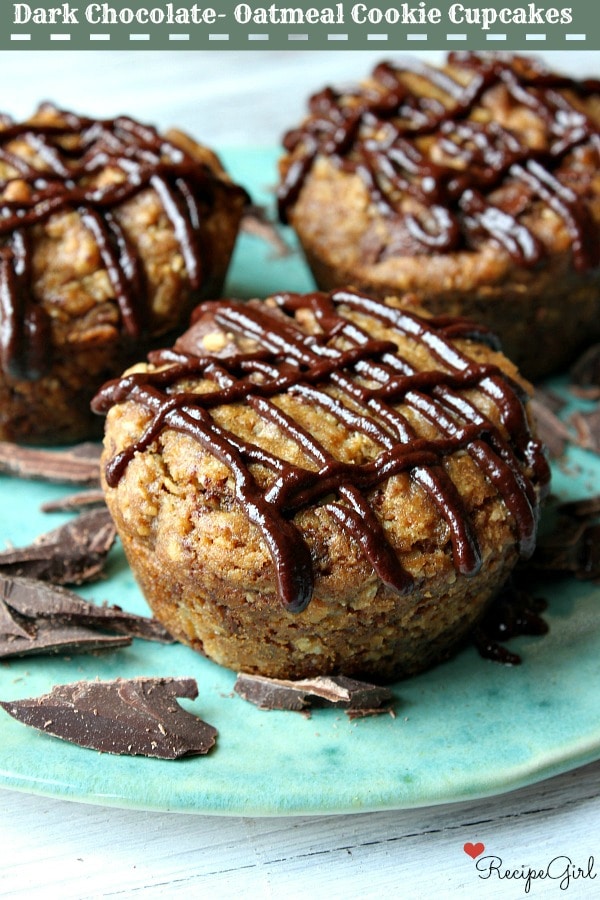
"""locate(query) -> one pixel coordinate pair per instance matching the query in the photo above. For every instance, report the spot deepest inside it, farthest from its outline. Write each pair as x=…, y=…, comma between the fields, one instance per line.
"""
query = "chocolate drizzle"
x=71, y=154
x=447, y=178
x=361, y=382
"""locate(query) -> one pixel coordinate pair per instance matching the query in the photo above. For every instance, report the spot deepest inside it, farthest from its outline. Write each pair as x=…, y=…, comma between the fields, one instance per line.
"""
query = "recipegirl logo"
x=561, y=869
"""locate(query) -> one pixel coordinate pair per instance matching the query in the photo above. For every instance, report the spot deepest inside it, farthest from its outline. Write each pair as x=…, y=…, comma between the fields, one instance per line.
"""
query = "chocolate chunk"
x=572, y=545
x=585, y=393
x=71, y=554
x=513, y=612
x=136, y=717
x=78, y=465
x=581, y=509
x=13, y=625
x=33, y=599
x=257, y=223
x=52, y=637
x=75, y=502
x=587, y=427
x=550, y=429
x=339, y=691
x=586, y=371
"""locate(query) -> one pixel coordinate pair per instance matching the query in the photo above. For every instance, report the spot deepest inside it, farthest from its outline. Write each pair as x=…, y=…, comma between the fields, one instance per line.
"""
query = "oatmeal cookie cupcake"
x=110, y=233
x=475, y=185
x=322, y=483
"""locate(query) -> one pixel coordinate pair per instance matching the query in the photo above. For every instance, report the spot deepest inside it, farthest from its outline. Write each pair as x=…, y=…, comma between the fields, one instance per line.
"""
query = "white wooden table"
x=53, y=848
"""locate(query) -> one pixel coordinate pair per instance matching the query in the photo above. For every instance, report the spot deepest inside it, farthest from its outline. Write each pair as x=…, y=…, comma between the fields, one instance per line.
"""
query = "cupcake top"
x=305, y=422
x=99, y=226
x=491, y=147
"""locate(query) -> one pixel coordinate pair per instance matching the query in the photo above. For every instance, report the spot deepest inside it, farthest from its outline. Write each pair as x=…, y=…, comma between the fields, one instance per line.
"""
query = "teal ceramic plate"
x=467, y=729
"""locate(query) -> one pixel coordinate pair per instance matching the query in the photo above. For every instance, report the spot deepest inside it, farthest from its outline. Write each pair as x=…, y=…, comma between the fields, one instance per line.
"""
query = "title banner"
x=345, y=25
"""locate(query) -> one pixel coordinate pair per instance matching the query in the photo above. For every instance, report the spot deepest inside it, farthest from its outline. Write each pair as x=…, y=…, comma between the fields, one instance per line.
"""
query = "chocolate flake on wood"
x=71, y=554
x=339, y=691
x=77, y=465
x=135, y=717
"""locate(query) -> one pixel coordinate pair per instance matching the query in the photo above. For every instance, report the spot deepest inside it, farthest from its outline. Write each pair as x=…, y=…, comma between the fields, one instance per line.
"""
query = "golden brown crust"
x=207, y=572
x=350, y=239
x=72, y=286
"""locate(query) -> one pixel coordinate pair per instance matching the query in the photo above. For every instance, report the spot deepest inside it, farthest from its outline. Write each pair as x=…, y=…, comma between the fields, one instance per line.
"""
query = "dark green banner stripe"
x=346, y=25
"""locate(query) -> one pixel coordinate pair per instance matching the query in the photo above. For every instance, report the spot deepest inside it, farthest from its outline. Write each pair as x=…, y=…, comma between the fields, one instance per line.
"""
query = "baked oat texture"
x=107, y=273
x=196, y=543
x=367, y=186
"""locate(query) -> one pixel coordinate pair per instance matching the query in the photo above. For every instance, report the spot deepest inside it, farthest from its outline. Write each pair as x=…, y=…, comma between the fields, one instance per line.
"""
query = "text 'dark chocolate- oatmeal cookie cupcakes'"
x=475, y=185
x=110, y=234
x=322, y=483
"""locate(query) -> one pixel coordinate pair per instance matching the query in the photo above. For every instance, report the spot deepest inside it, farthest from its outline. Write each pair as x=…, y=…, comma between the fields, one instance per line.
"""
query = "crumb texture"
x=110, y=233
x=475, y=185
x=341, y=488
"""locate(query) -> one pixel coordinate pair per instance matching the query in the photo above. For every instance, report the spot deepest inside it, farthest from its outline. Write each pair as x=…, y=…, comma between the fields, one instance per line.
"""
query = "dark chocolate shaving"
x=551, y=430
x=586, y=371
x=75, y=502
x=136, y=717
x=36, y=600
x=71, y=554
x=257, y=223
x=587, y=428
x=52, y=637
x=339, y=691
x=13, y=625
x=78, y=465
x=581, y=509
x=513, y=613
x=572, y=548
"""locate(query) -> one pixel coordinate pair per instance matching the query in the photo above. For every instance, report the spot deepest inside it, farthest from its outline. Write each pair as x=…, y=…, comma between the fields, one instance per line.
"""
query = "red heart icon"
x=474, y=850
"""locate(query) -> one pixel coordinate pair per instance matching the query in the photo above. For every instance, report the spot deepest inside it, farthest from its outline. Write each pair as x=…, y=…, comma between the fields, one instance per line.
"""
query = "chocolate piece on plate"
x=586, y=371
x=573, y=544
x=587, y=426
x=75, y=502
x=77, y=465
x=587, y=507
x=35, y=600
x=54, y=637
x=71, y=554
x=13, y=625
x=135, y=717
x=551, y=430
x=339, y=691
